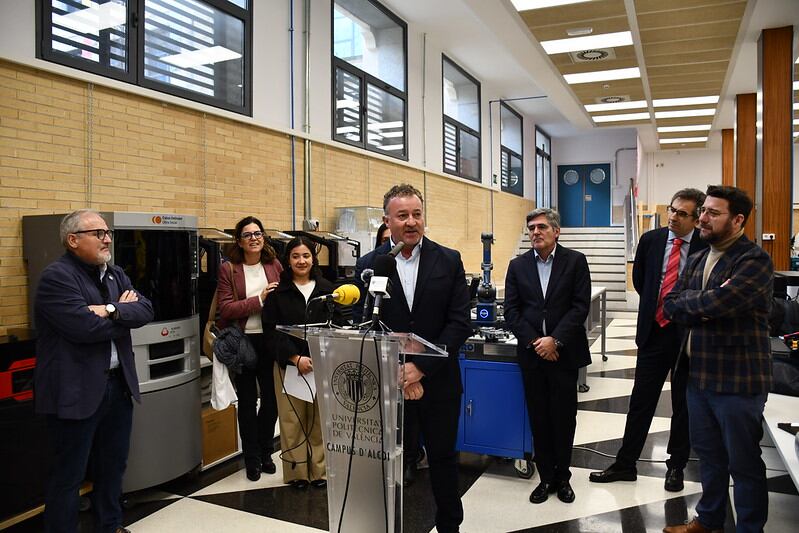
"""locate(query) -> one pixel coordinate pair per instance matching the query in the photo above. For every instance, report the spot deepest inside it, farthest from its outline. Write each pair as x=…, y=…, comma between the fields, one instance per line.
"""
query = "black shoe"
x=565, y=492
x=268, y=465
x=299, y=484
x=541, y=492
x=674, y=480
x=408, y=474
x=253, y=473
x=319, y=483
x=614, y=473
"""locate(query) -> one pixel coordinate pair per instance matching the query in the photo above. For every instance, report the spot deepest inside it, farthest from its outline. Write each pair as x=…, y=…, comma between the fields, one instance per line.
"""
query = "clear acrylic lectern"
x=353, y=369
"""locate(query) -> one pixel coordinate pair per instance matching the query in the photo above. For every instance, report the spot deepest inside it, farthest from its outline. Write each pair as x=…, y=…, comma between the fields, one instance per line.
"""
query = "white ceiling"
x=490, y=40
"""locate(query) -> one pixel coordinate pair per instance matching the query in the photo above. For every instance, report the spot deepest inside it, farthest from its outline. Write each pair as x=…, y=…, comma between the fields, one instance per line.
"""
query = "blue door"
x=584, y=195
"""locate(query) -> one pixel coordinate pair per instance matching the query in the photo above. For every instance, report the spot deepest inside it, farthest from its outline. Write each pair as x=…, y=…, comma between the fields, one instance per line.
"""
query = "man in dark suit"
x=429, y=298
x=658, y=342
x=547, y=295
x=723, y=299
x=85, y=372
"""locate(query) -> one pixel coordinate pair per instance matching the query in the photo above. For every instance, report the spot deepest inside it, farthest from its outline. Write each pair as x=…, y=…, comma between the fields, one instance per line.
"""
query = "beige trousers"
x=303, y=458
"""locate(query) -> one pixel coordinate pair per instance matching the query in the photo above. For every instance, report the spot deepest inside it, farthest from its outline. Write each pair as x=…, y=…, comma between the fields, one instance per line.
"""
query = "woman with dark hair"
x=245, y=284
x=383, y=234
x=302, y=451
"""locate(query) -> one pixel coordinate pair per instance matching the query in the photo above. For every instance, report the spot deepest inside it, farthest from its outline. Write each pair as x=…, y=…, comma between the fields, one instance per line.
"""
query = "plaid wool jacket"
x=730, y=349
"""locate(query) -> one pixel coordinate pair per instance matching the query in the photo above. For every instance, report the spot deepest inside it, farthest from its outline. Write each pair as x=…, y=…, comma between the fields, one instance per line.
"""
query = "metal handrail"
x=630, y=222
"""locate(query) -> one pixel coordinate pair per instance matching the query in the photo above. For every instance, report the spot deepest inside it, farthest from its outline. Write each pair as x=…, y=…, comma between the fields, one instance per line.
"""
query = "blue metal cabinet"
x=493, y=411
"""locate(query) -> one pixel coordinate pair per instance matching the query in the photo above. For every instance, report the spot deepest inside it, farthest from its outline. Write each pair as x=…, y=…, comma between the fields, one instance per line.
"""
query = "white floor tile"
x=624, y=322
x=595, y=426
x=201, y=517
x=620, y=331
x=497, y=503
x=613, y=345
x=783, y=509
x=238, y=481
x=609, y=388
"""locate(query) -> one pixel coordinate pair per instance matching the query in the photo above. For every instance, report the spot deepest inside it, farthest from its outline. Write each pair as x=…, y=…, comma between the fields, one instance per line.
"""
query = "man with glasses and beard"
x=85, y=372
x=659, y=259
x=723, y=300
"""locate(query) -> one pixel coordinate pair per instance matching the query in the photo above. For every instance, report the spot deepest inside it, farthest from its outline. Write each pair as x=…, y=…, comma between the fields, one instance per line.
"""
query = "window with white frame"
x=369, y=77
x=195, y=49
x=461, y=103
x=511, y=149
x=543, y=169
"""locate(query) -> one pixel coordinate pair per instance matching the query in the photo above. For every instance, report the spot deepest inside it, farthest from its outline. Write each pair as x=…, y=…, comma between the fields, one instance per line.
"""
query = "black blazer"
x=285, y=307
x=565, y=307
x=73, y=345
x=647, y=270
x=440, y=313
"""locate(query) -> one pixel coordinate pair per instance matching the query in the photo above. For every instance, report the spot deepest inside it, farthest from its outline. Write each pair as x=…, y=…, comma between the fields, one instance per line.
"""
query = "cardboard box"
x=220, y=434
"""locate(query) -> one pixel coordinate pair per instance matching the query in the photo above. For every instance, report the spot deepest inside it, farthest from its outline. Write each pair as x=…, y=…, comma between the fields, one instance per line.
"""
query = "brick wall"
x=66, y=144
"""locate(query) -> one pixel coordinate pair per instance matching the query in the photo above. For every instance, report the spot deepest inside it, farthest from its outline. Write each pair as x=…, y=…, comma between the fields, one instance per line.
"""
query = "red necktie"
x=669, y=280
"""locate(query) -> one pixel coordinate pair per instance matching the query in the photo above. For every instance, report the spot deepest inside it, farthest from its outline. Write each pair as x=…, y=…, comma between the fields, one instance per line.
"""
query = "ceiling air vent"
x=613, y=99
x=590, y=56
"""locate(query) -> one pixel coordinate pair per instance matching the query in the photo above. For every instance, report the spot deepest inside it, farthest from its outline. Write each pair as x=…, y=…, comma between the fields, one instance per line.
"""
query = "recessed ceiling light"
x=577, y=44
x=621, y=118
x=694, y=127
x=578, y=32
x=203, y=56
x=591, y=108
x=524, y=5
x=693, y=100
x=685, y=113
x=683, y=140
x=602, y=75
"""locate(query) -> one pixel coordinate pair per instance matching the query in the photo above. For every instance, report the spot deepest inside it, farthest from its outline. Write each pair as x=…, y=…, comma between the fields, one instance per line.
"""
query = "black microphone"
x=397, y=249
x=379, y=285
x=366, y=277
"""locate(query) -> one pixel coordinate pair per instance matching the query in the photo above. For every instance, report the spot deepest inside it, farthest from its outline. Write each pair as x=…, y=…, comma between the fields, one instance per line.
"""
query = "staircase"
x=605, y=250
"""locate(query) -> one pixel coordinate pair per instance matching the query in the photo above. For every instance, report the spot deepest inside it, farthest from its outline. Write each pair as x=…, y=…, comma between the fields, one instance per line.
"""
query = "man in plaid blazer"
x=724, y=298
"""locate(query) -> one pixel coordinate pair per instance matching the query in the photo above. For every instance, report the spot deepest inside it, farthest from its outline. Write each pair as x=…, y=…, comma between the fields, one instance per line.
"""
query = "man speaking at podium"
x=430, y=299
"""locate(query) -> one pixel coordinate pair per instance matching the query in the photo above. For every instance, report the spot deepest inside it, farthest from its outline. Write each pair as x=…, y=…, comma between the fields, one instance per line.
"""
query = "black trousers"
x=551, y=394
x=438, y=421
x=656, y=358
x=257, y=427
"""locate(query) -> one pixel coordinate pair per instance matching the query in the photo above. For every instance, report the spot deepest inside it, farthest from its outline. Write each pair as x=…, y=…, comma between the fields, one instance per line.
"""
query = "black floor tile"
x=621, y=404
x=783, y=485
x=626, y=373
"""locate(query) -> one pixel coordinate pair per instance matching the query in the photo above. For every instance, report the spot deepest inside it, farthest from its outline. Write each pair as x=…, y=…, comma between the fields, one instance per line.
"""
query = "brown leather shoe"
x=691, y=527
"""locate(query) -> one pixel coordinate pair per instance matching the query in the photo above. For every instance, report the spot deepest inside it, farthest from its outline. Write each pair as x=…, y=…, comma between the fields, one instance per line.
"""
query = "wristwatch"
x=558, y=344
x=111, y=309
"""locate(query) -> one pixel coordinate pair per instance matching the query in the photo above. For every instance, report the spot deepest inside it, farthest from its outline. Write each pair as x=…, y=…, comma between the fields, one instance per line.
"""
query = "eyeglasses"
x=679, y=212
x=99, y=233
x=252, y=235
x=712, y=213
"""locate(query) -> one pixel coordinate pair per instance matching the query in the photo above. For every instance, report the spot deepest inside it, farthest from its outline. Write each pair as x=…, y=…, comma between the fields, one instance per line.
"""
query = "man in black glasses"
x=659, y=260
x=85, y=373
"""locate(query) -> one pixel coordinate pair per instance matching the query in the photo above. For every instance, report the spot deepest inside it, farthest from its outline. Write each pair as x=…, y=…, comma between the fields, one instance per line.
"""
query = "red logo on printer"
x=164, y=332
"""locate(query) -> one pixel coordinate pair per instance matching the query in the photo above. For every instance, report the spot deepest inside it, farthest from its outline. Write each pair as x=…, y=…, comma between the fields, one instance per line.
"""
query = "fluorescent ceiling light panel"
x=691, y=100
x=796, y=86
x=94, y=19
x=592, y=108
x=590, y=42
x=796, y=122
x=203, y=56
x=695, y=127
x=385, y=125
x=524, y=5
x=679, y=140
x=603, y=75
x=685, y=113
x=796, y=106
x=622, y=117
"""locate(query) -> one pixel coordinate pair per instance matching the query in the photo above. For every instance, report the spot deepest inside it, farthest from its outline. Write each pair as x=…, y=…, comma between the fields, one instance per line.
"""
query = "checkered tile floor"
x=494, y=497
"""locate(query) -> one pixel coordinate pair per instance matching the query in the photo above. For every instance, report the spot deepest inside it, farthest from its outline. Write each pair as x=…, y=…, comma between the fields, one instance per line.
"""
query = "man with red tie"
x=659, y=260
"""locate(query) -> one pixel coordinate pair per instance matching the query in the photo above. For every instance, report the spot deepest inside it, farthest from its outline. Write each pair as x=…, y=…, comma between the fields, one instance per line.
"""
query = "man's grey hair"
x=71, y=223
x=553, y=217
